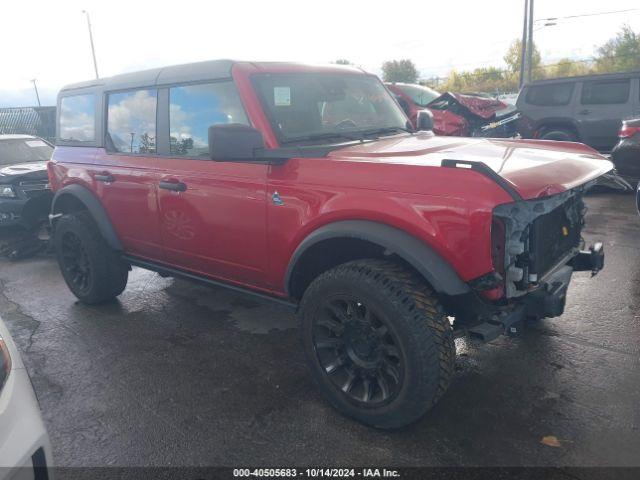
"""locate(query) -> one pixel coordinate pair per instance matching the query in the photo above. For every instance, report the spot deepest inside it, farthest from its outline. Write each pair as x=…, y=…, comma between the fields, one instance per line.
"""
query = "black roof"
x=209, y=70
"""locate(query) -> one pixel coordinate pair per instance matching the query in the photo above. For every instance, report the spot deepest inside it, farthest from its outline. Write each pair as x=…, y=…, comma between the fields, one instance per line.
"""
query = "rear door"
x=126, y=173
x=212, y=214
x=600, y=110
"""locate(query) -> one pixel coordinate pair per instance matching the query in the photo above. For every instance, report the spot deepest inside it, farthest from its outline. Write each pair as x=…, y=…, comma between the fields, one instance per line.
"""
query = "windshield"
x=24, y=150
x=312, y=107
x=421, y=96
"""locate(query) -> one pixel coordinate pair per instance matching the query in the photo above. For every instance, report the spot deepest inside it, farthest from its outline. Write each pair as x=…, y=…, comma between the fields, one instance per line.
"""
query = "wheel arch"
x=77, y=197
x=550, y=124
x=342, y=241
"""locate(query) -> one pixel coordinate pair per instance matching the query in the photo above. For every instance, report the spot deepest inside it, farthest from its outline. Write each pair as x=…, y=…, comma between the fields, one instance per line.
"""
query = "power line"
x=597, y=14
x=505, y=41
x=498, y=71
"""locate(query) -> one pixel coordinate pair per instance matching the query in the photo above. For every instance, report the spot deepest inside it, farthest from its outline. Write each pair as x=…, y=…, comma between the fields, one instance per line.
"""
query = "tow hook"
x=505, y=322
x=591, y=260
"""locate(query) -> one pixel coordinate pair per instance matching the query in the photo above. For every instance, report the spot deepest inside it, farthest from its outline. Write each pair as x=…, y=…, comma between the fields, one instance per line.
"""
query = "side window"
x=551, y=95
x=194, y=108
x=131, y=121
x=78, y=118
x=605, y=92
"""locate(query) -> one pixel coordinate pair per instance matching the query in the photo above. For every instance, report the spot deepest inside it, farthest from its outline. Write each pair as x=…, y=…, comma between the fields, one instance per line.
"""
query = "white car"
x=25, y=452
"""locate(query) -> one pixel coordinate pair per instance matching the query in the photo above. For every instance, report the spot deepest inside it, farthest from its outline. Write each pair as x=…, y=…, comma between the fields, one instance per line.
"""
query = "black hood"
x=23, y=171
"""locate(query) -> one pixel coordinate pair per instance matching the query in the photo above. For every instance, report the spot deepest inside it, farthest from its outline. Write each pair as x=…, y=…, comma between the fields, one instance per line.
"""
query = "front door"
x=126, y=175
x=212, y=214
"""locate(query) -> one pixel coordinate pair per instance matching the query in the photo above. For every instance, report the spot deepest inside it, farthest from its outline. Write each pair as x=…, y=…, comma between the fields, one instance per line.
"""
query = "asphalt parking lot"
x=181, y=374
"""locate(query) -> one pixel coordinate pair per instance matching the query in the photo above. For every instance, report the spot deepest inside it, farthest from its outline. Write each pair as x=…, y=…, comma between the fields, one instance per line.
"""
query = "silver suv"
x=587, y=109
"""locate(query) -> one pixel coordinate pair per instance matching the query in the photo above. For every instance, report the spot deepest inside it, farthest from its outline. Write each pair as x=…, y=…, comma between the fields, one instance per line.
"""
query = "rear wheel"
x=377, y=341
x=559, y=135
x=94, y=272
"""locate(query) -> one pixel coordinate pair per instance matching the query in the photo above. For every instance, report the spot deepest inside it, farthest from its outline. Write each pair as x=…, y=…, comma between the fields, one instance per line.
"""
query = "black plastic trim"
x=175, y=272
x=442, y=277
x=96, y=209
x=39, y=461
x=488, y=172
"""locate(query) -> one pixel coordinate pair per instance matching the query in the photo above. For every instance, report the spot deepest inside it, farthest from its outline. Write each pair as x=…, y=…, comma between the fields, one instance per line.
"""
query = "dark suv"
x=24, y=186
x=302, y=184
x=587, y=109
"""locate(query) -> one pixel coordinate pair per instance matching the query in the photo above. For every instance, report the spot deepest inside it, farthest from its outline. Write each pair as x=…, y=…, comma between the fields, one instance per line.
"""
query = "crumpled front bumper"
x=546, y=301
x=11, y=211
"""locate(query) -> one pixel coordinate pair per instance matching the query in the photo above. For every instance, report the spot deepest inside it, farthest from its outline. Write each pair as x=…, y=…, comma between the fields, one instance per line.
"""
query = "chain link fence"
x=38, y=121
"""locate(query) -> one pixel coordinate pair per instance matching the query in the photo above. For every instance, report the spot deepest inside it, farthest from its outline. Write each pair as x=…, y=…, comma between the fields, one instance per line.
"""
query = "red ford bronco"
x=307, y=186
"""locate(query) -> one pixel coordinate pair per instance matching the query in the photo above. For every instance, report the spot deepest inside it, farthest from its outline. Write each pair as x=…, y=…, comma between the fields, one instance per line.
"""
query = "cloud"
x=132, y=112
x=77, y=118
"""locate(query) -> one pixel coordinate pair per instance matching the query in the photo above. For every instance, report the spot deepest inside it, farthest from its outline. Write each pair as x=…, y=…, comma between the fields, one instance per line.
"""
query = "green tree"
x=147, y=144
x=567, y=68
x=513, y=57
x=621, y=53
x=399, y=71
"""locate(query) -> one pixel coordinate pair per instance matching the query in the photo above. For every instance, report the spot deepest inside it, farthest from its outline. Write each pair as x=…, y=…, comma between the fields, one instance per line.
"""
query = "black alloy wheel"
x=358, y=351
x=75, y=262
x=94, y=272
x=378, y=343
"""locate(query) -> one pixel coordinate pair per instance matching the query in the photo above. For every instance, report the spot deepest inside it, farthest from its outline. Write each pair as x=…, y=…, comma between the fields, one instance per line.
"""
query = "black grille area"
x=553, y=235
x=33, y=189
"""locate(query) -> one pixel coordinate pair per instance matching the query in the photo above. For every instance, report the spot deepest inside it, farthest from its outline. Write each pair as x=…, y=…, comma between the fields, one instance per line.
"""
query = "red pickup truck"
x=307, y=186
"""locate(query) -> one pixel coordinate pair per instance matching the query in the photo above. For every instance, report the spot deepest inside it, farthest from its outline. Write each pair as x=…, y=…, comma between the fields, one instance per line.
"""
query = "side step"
x=498, y=325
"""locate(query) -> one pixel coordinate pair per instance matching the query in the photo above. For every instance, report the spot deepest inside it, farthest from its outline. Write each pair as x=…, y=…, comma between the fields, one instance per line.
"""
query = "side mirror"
x=425, y=120
x=234, y=141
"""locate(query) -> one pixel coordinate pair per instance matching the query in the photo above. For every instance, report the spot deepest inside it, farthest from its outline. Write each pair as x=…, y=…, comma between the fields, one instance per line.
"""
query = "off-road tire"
x=559, y=135
x=108, y=272
x=423, y=332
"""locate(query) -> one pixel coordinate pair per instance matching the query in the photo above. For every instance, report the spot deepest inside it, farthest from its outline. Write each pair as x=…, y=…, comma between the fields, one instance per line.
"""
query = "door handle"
x=173, y=186
x=104, y=177
x=584, y=112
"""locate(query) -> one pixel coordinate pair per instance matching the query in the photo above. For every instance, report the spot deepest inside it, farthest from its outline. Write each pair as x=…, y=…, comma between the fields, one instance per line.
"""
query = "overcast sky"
x=48, y=40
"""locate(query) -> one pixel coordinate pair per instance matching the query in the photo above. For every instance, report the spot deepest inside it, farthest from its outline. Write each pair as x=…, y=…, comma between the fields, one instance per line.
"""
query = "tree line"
x=620, y=53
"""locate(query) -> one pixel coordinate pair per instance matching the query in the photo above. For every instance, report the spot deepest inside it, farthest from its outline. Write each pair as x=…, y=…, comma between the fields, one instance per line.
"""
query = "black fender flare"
x=437, y=271
x=91, y=202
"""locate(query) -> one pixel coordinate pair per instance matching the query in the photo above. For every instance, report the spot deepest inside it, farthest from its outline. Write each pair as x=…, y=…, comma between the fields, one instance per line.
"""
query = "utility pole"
x=523, y=45
x=35, y=87
x=93, y=50
x=531, y=46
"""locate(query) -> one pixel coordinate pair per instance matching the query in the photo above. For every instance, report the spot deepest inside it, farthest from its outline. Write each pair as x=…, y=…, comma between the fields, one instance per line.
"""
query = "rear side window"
x=551, y=95
x=194, y=108
x=605, y=92
x=131, y=121
x=77, y=118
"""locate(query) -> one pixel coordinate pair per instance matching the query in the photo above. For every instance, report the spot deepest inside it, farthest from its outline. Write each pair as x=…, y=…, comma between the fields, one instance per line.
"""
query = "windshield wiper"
x=358, y=135
x=385, y=130
x=324, y=136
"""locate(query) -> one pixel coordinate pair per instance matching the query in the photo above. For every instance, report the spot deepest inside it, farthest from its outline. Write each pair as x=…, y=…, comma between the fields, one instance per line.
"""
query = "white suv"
x=25, y=452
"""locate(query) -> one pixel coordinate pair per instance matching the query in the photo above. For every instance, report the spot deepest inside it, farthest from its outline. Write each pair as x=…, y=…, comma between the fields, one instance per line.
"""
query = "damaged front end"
x=473, y=116
x=24, y=218
x=536, y=247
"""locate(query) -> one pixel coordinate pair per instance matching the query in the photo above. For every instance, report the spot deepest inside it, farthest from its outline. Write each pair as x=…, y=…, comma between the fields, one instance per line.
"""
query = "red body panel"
x=446, y=122
x=225, y=225
x=481, y=106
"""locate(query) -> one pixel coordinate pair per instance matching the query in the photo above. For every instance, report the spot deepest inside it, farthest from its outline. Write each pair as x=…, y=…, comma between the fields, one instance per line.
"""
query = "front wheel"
x=377, y=341
x=93, y=271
